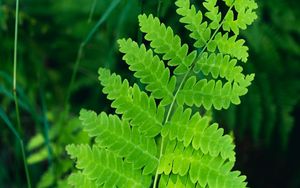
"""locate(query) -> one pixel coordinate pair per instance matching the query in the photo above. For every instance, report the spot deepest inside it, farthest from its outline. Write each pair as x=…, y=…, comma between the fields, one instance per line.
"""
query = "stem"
x=181, y=84
x=17, y=112
x=92, y=11
x=166, y=120
x=15, y=67
x=15, y=94
x=25, y=164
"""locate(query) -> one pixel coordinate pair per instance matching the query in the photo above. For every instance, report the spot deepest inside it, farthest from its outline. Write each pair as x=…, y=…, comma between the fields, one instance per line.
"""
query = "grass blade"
x=4, y=117
x=92, y=11
x=15, y=66
x=108, y=11
x=9, y=124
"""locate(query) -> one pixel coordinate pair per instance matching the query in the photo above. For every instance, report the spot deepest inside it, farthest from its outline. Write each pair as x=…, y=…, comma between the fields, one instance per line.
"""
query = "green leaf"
x=142, y=113
x=193, y=20
x=177, y=148
x=222, y=66
x=230, y=45
x=210, y=93
x=150, y=69
x=78, y=179
x=163, y=40
x=118, y=136
x=104, y=168
x=201, y=168
x=173, y=180
x=196, y=131
x=245, y=15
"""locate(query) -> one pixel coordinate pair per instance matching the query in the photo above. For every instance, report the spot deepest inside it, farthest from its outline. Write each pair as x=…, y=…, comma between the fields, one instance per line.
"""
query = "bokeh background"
x=266, y=126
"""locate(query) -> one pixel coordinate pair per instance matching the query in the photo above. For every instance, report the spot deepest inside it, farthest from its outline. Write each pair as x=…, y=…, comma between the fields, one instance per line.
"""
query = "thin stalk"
x=17, y=112
x=166, y=120
x=4, y=117
x=181, y=84
x=15, y=67
x=80, y=51
x=92, y=11
x=25, y=164
x=16, y=97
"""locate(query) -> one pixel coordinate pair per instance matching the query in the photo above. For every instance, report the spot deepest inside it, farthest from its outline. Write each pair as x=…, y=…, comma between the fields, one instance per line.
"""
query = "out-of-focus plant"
x=46, y=60
x=274, y=41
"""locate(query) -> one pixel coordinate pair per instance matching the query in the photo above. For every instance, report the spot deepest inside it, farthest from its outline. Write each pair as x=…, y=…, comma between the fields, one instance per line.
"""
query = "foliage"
x=58, y=165
x=159, y=135
x=275, y=93
x=41, y=86
x=50, y=33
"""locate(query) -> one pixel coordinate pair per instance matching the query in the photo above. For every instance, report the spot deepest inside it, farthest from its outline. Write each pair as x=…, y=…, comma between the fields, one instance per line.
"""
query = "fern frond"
x=212, y=13
x=103, y=167
x=197, y=132
x=204, y=169
x=142, y=112
x=245, y=15
x=172, y=180
x=230, y=45
x=119, y=137
x=163, y=40
x=202, y=31
x=78, y=180
x=192, y=151
x=219, y=65
x=150, y=69
x=211, y=93
x=193, y=20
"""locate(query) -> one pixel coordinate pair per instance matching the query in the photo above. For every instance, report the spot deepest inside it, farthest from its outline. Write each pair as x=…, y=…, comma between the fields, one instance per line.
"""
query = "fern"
x=104, y=167
x=159, y=139
x=197, y=131
x=142, y=111
x=274, y=97
x=161, y=86
x=201, y=168
x=128, y=142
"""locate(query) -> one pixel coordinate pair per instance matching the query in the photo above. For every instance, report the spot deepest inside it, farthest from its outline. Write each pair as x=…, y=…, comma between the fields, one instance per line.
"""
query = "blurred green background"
x=266, y=126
